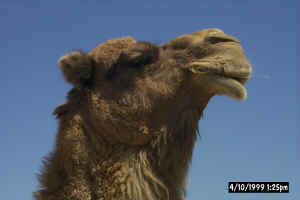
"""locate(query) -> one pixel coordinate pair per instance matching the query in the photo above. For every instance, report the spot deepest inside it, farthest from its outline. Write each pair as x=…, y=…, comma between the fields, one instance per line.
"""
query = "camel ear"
x=76, y=68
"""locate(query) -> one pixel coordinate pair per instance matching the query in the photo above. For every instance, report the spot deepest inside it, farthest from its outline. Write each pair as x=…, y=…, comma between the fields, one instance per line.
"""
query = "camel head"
x=129, y=89
x=128, y=128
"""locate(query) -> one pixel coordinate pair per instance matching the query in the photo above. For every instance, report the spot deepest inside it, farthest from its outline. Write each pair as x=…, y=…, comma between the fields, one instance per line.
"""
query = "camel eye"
x=137, y=58
x=143, y=53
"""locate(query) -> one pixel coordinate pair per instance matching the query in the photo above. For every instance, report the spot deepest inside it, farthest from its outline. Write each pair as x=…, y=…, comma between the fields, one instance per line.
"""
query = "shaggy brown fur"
x=129, y=125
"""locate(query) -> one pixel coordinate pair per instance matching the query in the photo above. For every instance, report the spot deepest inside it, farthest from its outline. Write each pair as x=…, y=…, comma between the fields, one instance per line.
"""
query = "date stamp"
x=258, y=187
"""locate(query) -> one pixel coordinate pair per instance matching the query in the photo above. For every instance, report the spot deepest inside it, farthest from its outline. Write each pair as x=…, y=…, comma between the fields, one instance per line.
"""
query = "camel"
x=130, y=122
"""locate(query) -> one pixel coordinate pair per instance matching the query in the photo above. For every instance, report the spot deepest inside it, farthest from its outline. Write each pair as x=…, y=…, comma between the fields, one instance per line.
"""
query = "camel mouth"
x=227, y=81
x=229, y=86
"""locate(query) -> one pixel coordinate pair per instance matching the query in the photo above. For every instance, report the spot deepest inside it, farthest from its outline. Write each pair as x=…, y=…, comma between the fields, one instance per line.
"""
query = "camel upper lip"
x=240, y=74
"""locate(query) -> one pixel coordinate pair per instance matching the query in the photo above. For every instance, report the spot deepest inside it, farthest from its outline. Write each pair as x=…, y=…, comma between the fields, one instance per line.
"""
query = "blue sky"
x=254, y=140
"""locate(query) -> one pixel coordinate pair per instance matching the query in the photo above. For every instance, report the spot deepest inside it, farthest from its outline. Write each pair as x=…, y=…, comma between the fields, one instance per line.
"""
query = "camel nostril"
x=219, y=39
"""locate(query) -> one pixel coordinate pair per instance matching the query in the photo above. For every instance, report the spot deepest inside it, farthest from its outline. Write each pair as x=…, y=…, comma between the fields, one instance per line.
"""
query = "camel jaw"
x=227, y=81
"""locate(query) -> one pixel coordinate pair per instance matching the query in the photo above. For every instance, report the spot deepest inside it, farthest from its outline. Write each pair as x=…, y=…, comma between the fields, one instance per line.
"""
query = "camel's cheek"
x=116, y=123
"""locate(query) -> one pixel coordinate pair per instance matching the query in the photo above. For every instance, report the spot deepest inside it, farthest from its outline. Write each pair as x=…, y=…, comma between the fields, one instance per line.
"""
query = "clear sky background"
x=254, y=140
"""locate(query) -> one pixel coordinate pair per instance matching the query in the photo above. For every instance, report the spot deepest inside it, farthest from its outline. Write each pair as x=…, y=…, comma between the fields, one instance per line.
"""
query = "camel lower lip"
x=228, y=86
x=227, y=80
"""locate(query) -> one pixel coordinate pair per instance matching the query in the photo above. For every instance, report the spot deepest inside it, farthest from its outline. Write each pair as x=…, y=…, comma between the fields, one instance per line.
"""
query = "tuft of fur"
x=76, y=68
x=129, y=125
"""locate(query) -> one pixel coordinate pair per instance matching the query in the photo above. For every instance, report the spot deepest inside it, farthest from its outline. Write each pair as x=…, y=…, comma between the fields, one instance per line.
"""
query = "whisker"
x=261, y=76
